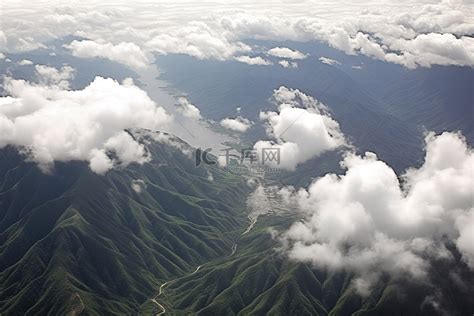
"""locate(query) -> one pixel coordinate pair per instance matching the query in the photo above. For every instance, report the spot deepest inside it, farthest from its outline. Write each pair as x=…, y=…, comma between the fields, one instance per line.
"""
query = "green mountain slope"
x=74, y=237
x=259, y=280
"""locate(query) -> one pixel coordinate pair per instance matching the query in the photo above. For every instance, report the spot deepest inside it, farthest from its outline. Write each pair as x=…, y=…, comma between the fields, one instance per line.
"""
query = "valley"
x=262, y=205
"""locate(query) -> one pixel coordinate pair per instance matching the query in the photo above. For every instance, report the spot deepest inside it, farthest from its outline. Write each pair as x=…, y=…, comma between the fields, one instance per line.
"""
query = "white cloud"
x=52, y=76
x=328, y=61
x=167, y=139
x=302, y=128
x=25, y=62
x=188, y=109
x=368, y=222
x=2, y=56
x=432, y=48
x=50, y=123
x=285, y=52
x=288, y=64
x=138, y=185
x=197, y=39
x=128, y=54
x=465, y=242
x=253, y=60
x=420, y=33
x=238, y=124
x=99, y=162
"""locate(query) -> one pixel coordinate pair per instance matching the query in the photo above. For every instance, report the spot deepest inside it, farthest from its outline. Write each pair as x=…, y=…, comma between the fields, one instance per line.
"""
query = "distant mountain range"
x=381, y=107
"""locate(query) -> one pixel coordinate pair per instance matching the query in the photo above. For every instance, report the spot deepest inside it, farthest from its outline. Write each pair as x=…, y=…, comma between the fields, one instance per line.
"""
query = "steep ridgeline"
x=74, y=242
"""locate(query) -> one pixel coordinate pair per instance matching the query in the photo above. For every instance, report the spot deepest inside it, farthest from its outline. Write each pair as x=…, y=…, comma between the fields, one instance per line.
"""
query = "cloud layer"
x=253, y=60
x=302, y=128
x=51, y=76
x=238, y=124
x=188, y=109
x=51, y=123
x=328, y=61
x=285, y=52
x=410, y=33
x=369, y=222
x=288, y=64
x=128, y=54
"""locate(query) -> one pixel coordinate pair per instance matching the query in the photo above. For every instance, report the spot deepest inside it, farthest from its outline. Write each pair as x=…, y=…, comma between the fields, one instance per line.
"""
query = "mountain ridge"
x=101, y=240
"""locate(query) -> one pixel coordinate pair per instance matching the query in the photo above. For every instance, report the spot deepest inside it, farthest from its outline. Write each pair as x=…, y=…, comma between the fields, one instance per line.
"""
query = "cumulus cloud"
x=432, y=48
x=128, y=54
x=367, y=222
x=465, y=242
x=138, y=185
x=52, y=76
x=328, y=61
x=188, y=109
x=25, y=62
x=288, y=64
x=238, y=124
x=253, y=60
x=285, y=52
x=197, y=39
x=301, y=129
x=51, y=123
